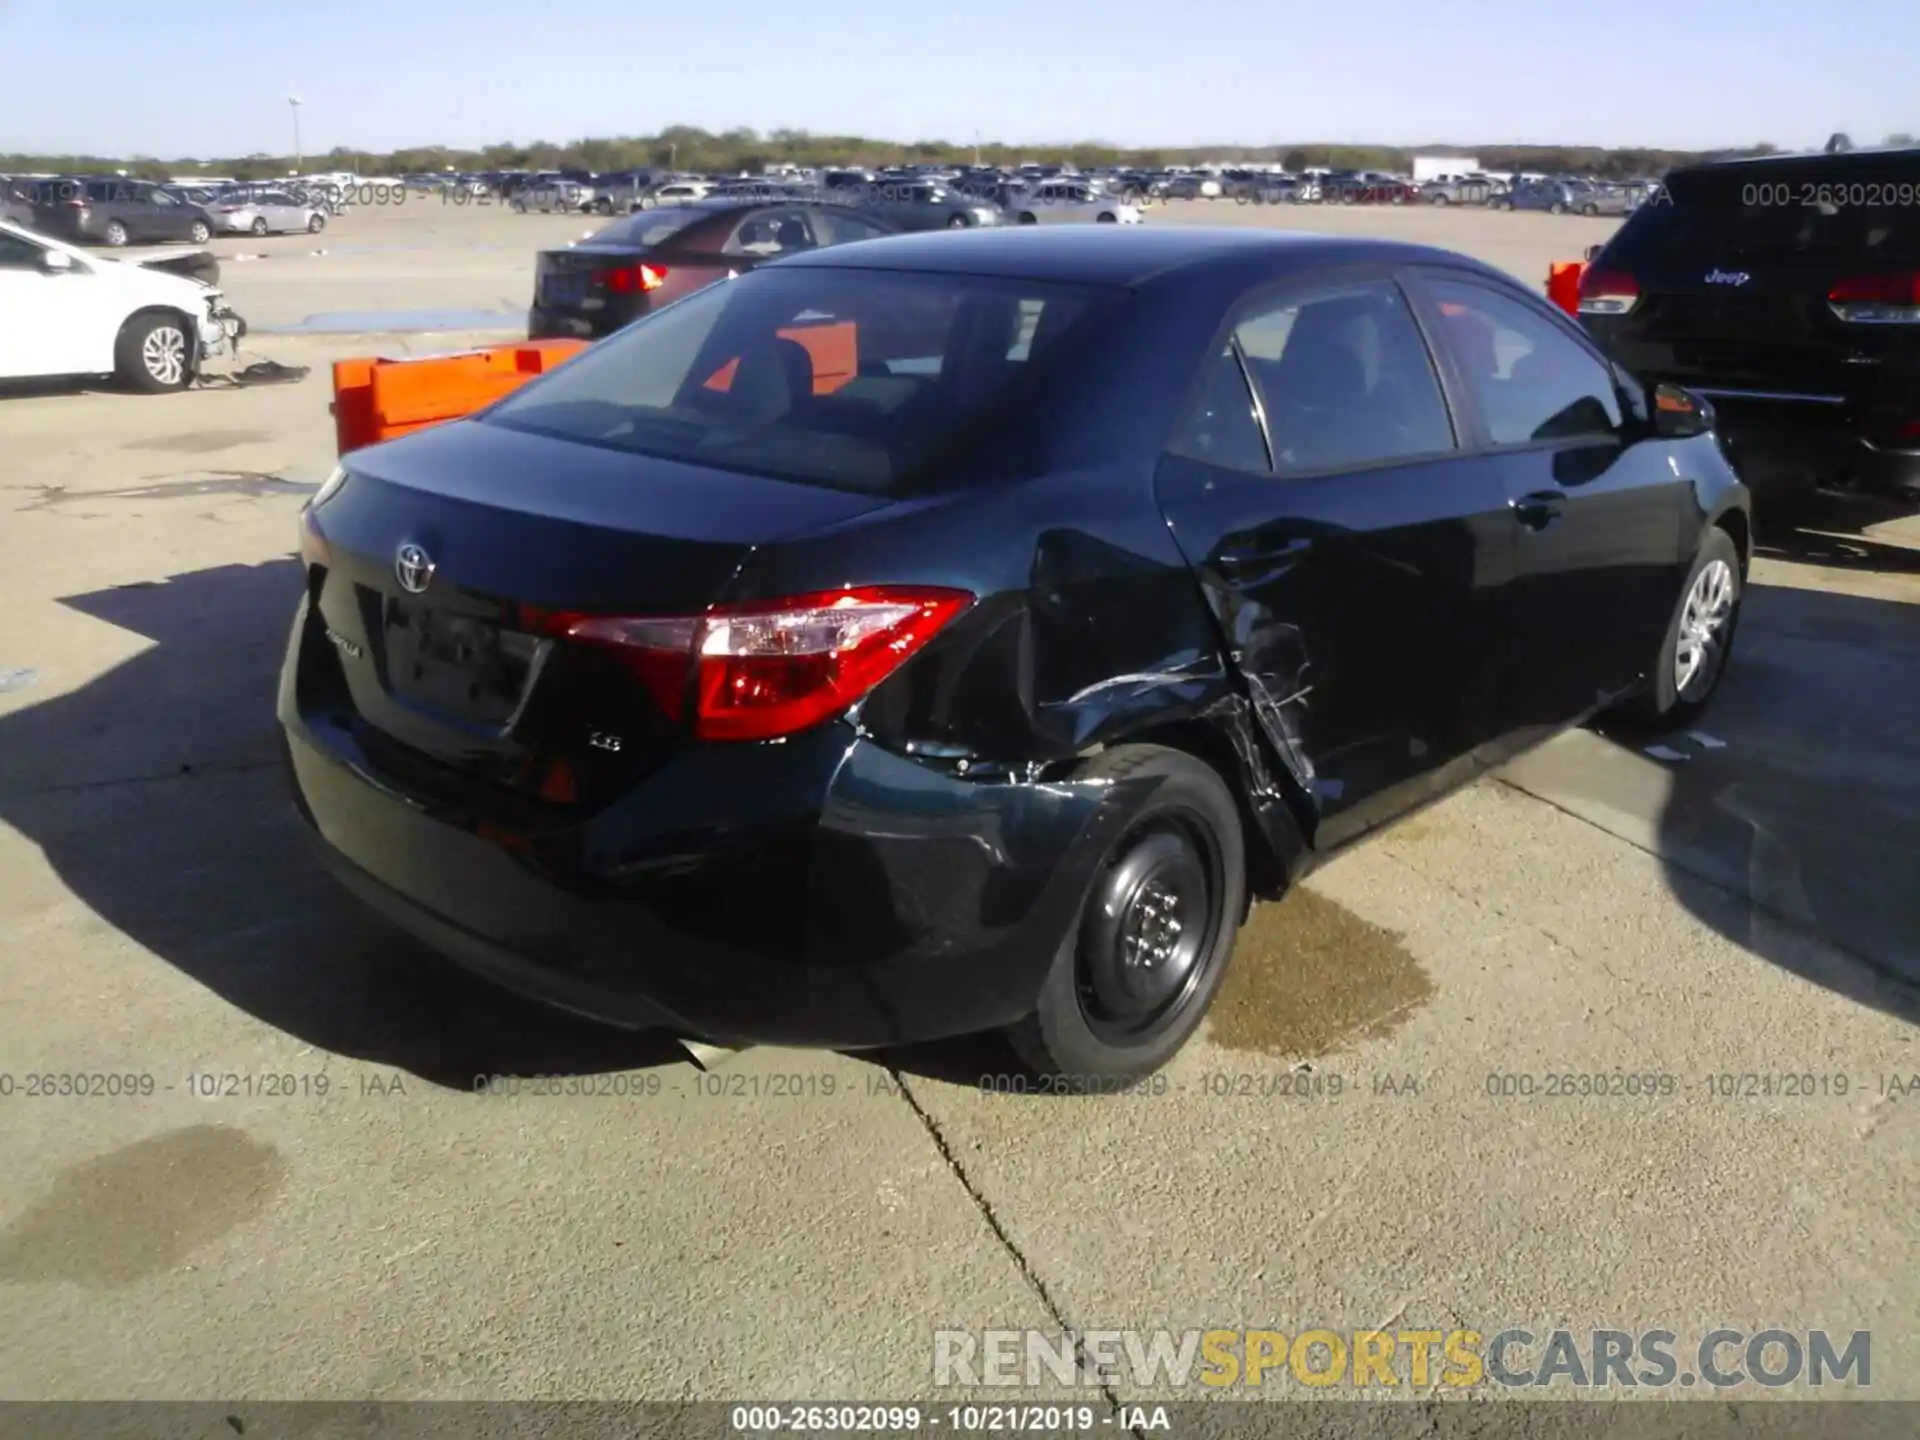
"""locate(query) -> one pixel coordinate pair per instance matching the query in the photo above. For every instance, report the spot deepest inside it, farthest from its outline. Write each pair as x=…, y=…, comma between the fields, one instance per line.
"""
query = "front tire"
x=1027, y=217
x=260, y=225
x=153, y=354
x=115, y=234
x=1106, y=217
x=316, y=223
x=199, y=233
x=956, y=222
x=1699, y=640
x=1135, y=976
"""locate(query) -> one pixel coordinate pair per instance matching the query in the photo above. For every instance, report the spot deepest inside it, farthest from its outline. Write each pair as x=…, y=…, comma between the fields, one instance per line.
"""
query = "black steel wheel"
x=1136, y=974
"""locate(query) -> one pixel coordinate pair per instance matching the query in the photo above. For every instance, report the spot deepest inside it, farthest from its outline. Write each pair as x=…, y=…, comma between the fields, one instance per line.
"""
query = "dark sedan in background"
x=952, y=631
x=117, y=212
x=653, y=257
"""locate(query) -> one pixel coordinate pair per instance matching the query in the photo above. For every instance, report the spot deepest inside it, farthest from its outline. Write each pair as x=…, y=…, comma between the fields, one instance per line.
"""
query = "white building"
x=1443, y=167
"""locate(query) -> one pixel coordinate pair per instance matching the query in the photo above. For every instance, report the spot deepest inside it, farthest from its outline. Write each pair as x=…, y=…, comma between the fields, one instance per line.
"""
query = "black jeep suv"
x=1788, y=290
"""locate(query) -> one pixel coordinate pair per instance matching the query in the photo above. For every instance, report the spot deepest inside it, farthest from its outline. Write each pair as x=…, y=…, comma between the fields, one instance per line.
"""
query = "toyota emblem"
x=414, y=567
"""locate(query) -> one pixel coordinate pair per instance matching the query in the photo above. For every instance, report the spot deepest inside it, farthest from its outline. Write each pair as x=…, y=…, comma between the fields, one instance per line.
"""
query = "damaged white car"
x=65, y=311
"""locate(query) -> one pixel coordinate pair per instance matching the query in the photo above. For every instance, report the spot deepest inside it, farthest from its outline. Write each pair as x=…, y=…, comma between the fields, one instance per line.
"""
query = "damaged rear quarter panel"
x=1088, y=631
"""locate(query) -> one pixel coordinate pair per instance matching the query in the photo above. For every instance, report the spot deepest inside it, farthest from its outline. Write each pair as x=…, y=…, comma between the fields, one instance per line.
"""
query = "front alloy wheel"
x=153, y=354
x=1699, y=640
x=1700, y=647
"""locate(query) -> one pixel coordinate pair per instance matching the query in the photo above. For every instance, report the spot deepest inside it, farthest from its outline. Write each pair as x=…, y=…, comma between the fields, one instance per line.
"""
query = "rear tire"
x=153, y=354
x=1590, y=209
x=260, y=225
x=199, y=233
x=1702, y=629
x=1027, y=217
x=316, y=224
x=1136, y=974
x=1439, y=200
x=1107, y=217
x=115, y=234
x=956, y=222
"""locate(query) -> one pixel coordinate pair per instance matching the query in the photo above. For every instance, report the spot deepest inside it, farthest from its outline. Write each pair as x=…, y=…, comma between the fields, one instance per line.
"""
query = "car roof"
x=1114, y=255
x=1838, y=159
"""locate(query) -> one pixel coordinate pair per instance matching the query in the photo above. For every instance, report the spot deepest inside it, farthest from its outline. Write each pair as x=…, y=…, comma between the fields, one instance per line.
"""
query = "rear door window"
x=763, y=234
x=1223, y=427
x=837, y=226
x=842, y=377
x=1344, y=378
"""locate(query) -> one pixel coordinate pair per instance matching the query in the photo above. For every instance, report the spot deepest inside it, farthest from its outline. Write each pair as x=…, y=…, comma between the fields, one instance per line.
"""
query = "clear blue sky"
x=211, y=77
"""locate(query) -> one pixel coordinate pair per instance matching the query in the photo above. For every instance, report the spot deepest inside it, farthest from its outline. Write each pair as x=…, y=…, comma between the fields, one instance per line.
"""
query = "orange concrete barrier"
x=376, y=399
x=1563, y=284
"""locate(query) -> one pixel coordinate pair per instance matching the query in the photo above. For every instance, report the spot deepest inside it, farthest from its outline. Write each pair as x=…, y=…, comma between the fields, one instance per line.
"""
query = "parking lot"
x=312, y=1202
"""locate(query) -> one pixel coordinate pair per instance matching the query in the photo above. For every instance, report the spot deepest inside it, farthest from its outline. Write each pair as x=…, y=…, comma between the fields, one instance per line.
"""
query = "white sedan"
x=1061, y=200
x=66, y=312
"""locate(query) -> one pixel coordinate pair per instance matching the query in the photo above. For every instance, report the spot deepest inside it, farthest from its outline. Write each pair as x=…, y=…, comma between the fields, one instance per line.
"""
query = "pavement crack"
x=1021, y=1263
x=185, y=771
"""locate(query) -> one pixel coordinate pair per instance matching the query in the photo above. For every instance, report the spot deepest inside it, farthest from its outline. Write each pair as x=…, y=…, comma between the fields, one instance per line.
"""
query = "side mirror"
x=1593, y=253
x=55, y=262
x=1679, y=414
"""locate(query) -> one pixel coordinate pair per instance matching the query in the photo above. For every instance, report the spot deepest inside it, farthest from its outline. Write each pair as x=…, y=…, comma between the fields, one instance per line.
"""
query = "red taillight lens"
x=632, y=279
x=764, y=670
x=1895, y=289
x=1607, y=292
x=1888, y=299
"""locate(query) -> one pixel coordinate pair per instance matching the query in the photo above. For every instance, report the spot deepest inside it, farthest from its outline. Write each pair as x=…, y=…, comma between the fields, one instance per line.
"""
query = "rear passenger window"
x=1345, y=380
x=1532, y=381
x=1223, y=428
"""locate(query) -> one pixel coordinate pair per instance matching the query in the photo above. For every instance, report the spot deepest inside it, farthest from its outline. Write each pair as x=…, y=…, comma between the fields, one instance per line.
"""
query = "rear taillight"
x=1889, y=299
x=1607, y=292
x=763, y=670
x=631, y=279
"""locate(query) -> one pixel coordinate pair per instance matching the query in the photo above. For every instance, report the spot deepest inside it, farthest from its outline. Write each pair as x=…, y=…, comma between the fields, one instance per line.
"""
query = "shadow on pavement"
x=156, y=794
x=1789, y=819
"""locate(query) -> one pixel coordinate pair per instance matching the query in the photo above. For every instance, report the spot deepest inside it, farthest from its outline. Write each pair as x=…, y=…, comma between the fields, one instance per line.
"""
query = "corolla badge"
x=414, y=568
x=1727, y=277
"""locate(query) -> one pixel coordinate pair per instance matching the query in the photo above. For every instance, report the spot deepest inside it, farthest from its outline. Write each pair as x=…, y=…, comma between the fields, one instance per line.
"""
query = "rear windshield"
x=856, y=379
x=1865, y=213
x=646, y=227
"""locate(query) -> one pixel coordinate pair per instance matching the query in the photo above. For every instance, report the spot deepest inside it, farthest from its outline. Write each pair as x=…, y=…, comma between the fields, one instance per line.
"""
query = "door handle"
x=1242, y=556
x=1540, y=509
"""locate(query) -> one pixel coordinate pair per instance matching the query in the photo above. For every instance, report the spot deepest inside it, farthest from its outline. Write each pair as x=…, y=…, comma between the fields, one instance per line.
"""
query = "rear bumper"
x=544, y=323
x=1790, y=447
x=821, y=892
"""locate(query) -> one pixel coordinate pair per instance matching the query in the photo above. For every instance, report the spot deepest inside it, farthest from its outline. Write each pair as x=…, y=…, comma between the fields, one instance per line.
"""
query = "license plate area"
x=564, y=289
x=459, y=664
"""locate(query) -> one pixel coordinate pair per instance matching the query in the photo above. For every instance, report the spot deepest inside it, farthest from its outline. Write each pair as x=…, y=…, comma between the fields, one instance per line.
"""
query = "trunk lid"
x=446, y=552
x=564, y=278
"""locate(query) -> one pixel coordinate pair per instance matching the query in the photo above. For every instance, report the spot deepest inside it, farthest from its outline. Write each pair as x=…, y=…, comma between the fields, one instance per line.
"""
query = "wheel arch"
x=1739, y=528
x=1224, y=739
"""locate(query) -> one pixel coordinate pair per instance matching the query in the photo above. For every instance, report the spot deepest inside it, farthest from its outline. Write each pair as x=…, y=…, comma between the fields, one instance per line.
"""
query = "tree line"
x=686, y=147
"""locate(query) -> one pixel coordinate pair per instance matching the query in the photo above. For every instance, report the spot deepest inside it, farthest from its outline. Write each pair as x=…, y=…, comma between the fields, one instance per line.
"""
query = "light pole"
x=293, y=102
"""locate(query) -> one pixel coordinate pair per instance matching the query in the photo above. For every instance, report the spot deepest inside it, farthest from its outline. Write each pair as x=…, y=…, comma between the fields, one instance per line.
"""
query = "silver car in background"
x=265, y=212
x=547, y=195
